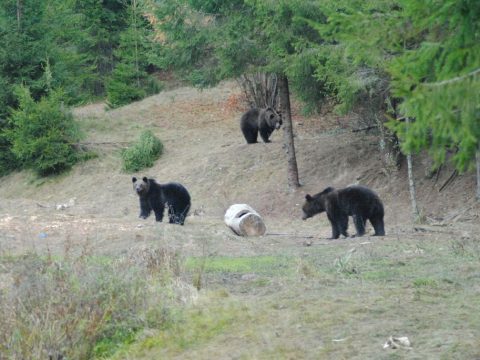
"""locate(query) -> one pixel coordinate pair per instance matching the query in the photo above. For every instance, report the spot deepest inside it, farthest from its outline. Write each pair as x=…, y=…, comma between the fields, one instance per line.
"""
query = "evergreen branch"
x=455, y=79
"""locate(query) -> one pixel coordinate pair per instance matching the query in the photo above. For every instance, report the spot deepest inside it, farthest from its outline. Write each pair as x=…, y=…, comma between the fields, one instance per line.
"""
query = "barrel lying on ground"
x=244, y=220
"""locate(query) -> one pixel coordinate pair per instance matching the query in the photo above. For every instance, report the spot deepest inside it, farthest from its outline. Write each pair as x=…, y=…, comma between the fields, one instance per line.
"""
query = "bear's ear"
x=145, y=179
x=134, y=179
x=308, y=197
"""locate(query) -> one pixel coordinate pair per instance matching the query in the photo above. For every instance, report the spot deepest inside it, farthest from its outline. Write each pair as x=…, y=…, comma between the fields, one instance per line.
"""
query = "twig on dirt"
x=292, y=235
x=426, y=228
x=449, y=180
x=113, y=143
x=44, y=206
x=457, y=214
x=365, y=128
x=437, y=175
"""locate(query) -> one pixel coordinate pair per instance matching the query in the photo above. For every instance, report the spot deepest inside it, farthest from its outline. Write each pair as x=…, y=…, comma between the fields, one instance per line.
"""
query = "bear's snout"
x=278, y=125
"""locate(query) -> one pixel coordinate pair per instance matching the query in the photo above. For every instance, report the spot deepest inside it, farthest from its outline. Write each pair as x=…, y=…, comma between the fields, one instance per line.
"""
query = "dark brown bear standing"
x=256, y=120
x=154, y=196
x=357, y=201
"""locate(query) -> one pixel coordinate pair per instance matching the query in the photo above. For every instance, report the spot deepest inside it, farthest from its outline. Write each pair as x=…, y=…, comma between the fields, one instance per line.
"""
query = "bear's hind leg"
x=378, y=225
x=359, y=222
x=171, y=215
x=183, y=215
x=250, y=134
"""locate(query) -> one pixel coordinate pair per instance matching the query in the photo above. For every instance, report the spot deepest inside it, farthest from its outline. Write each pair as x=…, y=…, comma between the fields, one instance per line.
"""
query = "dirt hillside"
x=205, y=150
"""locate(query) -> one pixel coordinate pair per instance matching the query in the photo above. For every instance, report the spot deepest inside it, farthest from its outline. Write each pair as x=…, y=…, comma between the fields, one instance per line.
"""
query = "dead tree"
x=260, y=89
x=411, y=184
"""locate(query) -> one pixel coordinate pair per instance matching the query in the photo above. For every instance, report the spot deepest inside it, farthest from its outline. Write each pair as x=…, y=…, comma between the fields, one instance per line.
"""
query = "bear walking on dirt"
x=357, y=201
x=256, y=120
x=154, y=196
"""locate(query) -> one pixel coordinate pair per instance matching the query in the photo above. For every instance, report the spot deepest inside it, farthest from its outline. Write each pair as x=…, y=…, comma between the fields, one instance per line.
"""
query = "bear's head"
x=273, y=118
x=141, y=187
x=315, y=204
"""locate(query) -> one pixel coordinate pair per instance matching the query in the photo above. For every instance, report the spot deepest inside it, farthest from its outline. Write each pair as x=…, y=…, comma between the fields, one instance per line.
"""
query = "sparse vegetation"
x=83, y=307
x=143, y=153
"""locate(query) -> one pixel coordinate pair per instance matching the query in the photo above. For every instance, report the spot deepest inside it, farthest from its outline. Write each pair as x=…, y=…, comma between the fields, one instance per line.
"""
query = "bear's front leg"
x=265, y=134
x=158, y=215
x=158, y=210
x=335, y=229
x=145, y=209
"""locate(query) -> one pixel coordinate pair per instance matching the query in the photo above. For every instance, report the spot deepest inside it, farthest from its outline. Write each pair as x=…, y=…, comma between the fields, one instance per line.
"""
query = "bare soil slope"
x=205, y=150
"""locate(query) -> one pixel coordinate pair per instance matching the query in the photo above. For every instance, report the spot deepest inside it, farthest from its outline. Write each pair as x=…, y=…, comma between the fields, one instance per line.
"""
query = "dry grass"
x=79, y=307
x=98, y=281
x=313, y=306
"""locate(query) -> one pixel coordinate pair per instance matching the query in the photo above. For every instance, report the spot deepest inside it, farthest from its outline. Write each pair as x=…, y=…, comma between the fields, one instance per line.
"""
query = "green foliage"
x=129, y=80
x=43, y=133
x=143, y=153
x=8, y=161
x=423, y=55
x=123, y=88
x=439, y=80
x=208, y=41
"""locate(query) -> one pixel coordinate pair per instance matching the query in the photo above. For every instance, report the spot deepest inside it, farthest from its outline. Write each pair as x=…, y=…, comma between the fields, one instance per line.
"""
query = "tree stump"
x=244, y=221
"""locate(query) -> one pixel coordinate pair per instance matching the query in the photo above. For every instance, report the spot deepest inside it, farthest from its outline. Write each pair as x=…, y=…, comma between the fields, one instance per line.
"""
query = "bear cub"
x=154, y=196
x=357, y=201
x=256, y=120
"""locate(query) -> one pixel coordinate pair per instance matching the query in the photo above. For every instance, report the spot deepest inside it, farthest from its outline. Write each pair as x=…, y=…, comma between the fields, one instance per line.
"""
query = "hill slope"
x=290, y=294
x=205, y=150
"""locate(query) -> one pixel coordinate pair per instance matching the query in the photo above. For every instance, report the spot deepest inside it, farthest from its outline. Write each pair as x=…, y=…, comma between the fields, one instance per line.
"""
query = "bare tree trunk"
x=478, y=172
x=19, y=14
x=289, y=146
x=134, y=21
x=411, y=185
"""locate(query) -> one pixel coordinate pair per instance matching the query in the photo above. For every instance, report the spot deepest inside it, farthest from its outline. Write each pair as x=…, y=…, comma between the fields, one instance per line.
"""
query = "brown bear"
x=256, y=120
x=357, y=201
x=154, y=196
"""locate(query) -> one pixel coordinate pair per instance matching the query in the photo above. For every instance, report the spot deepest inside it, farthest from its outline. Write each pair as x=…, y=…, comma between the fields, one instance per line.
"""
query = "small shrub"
x=43, y=134
x=345, y=265
x=143, y=153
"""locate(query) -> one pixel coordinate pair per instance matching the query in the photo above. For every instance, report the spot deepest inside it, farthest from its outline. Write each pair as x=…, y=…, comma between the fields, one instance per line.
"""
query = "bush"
x=143, y=153
x=43, y=134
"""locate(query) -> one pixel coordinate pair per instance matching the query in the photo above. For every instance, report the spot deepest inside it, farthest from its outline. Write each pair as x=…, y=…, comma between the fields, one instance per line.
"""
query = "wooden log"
x=244, y=220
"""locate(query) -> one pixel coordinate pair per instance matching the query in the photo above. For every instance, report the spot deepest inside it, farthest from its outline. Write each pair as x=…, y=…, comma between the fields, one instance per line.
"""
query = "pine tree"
x=439, y=80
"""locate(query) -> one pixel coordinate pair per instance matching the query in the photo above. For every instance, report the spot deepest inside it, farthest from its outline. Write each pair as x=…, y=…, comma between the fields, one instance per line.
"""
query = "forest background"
x=410, y=68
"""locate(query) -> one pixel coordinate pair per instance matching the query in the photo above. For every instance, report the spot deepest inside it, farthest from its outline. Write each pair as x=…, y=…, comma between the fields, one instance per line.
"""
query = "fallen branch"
x=426, y=228
x=365, y=128
x=449, y=180
x=104, y=143
x=437, y=175
x=293, y=235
